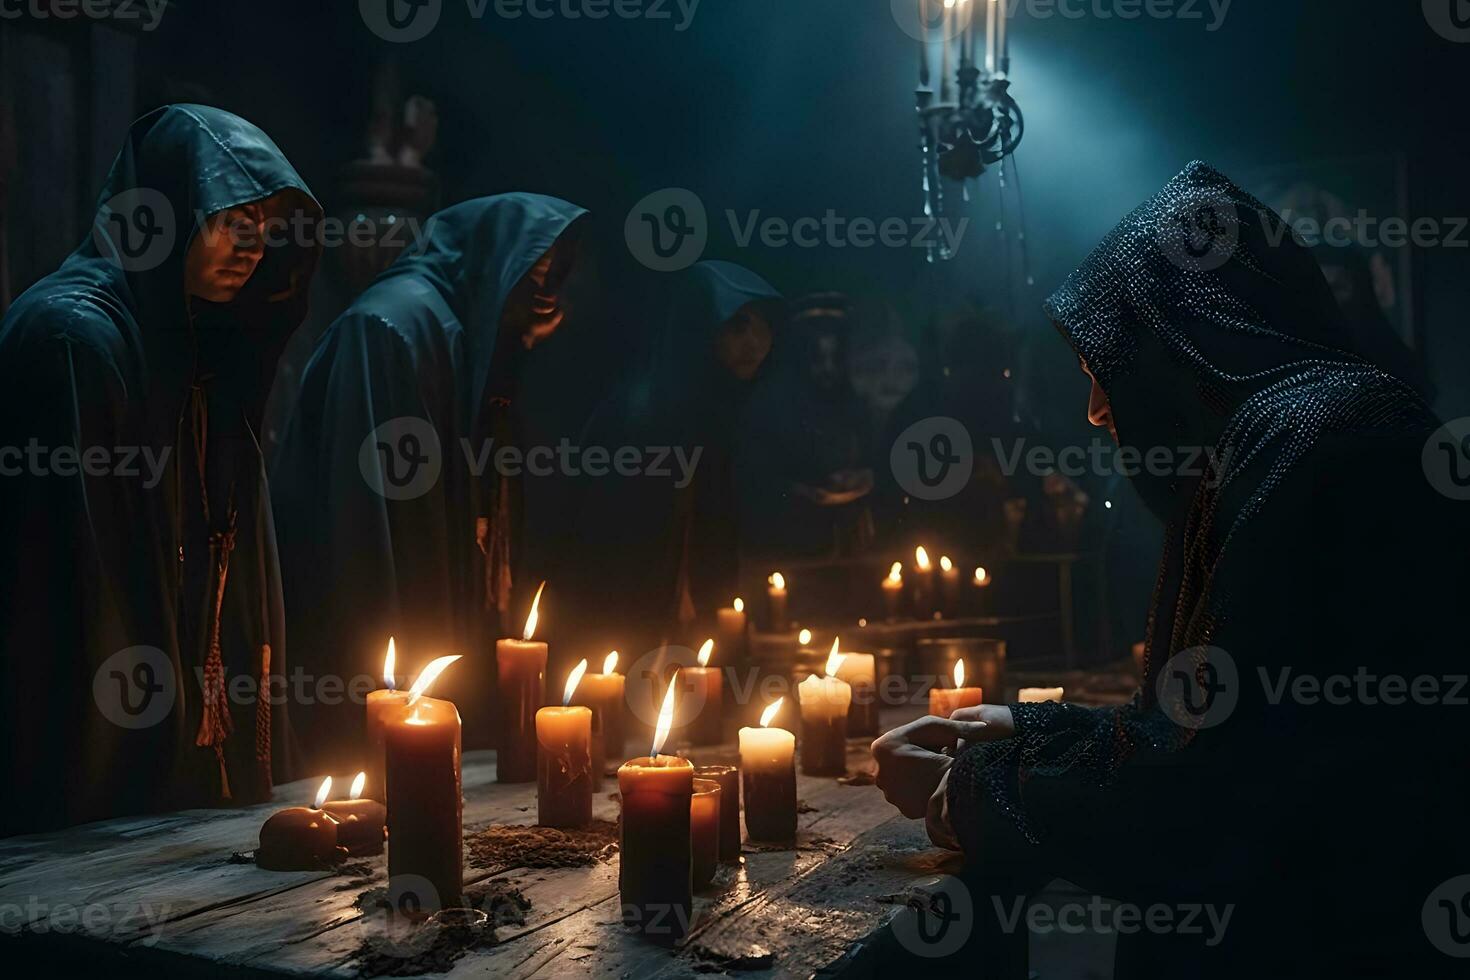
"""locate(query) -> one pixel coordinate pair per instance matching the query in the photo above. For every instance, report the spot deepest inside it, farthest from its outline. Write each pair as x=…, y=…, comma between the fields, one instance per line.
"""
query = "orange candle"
x=768, y=779
x=944, y=702
x=360, y=821
x=655, y=873
x=603, y=693
x=381, y=706
x=824, y=705
x=299, y=838
x=564, y=761
x=776, y=602
x=704, y=831
x=702, y=698
x=522, y=685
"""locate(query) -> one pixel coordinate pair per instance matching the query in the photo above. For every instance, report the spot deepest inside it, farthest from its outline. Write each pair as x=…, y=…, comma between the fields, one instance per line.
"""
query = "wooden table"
x=159, y=893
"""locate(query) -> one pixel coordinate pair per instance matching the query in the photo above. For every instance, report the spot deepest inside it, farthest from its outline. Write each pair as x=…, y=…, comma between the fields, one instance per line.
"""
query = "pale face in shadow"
x=744, y=342
x=225, y=253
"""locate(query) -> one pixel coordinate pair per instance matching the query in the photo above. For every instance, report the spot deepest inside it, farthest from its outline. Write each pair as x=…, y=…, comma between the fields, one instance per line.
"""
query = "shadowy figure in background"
x=1314, y=547
x=395, y=516
x=138, y=584
x=805, y=451
x=663, y=547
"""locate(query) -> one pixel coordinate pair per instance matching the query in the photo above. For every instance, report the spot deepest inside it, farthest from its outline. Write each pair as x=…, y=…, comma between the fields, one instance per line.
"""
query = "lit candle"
x=860, y=671
x=945, y=702
x=776, y=602
x=654, y=868
x=949, y=583
x=522, y=667
x=564, y=760
x=893, y=591
x=299, y=838
x=382, y=705
x=1036, y=695
x=824, y=704
x=703, y=698
x=704, y=831
x=768, y=779
x=730, y=630
x=360, y=821
x=923, y=582
x=603, y=693
x=425, y=795
x=982, y=582
x=729, y=779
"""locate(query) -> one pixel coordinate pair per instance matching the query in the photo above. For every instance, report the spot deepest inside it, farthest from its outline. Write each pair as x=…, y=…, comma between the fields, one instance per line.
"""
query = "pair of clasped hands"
x=914, y=761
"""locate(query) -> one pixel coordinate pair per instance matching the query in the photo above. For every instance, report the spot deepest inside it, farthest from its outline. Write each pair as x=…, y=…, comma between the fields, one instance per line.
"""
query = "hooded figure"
x=676, y=532
x=393, y=520
x=1309, y=544
x=140, y=598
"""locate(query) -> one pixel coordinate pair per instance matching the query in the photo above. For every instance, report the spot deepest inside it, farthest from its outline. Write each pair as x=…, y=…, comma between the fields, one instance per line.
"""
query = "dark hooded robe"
x=1312, y=546
x=398, y=388
x=140, y=599
x=659, y=550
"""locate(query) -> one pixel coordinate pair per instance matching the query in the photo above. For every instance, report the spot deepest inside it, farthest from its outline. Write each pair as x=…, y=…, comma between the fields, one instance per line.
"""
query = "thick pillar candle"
x=729, y=779
x=522, y=685
x=944, y=702
x=564, y=761
x=381, y=705
x=824, y=705
x=893, y=592
x=776, y=603
x=360, y=821
x=949, y=585
x=768, y=779
x=860, y=672
x=704, y=831
x=603, y=693
x=702, y=698
x=730, y=630
x=923, y=583
x=425, y=801
x=655, y=874
x=299, y=838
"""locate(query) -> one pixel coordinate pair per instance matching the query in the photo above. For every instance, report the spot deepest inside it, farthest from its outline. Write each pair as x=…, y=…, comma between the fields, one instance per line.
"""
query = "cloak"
x=375, y=483
x=141, y=598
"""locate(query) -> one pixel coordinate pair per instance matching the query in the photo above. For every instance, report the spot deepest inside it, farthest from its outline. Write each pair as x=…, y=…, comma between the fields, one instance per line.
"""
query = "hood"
x=474, y=253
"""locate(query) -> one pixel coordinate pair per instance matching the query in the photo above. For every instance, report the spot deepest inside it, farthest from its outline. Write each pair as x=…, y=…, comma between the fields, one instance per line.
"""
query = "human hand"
x=914, y=758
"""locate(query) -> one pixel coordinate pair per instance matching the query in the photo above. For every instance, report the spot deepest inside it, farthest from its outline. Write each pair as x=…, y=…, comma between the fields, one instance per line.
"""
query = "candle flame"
x=573, y=680
x=770, y=712
x=959, y=674
x=665, y=718
x=428, y=676
x=804, y=637
x=834, y=659
x=321, y=794
x=358, y=782
x=534, y=615
x=944, y=563
x=981, y=575
x=610, y=662
x=921, y=558
x=895, y=573
x=388, y=661
x=739, y=604
x=777, y=580
x=705, y=650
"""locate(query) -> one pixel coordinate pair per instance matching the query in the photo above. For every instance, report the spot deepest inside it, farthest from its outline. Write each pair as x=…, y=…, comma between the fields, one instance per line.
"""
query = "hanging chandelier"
x=972, y=122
